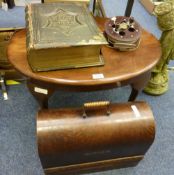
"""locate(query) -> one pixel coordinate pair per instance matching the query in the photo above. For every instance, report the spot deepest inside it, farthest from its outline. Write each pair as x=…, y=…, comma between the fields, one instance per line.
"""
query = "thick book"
x=62, y=35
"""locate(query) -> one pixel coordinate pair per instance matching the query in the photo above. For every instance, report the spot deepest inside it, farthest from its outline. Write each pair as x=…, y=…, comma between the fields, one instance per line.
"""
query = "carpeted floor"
x=18, y=148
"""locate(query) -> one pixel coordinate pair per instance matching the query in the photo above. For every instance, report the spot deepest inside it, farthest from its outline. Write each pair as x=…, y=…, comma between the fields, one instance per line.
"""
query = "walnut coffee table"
x=121, y=68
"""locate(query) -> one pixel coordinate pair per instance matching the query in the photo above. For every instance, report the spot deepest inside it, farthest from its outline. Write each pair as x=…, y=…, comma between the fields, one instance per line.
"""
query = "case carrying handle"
x=94, y=105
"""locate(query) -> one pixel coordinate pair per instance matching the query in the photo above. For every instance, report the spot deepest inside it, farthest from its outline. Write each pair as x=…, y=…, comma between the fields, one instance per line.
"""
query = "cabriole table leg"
x=41, y=94
x=133, y=95
x=139, y=85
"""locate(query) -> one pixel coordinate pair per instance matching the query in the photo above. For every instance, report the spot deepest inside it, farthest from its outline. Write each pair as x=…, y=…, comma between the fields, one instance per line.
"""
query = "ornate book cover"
x=62, y=35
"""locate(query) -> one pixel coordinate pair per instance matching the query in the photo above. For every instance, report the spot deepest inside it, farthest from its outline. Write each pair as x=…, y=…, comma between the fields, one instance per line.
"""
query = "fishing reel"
x=123, y=33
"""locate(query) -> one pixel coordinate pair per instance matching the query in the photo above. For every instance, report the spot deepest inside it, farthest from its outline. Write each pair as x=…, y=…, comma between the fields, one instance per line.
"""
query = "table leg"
x=41, y=94
x=133, y=95
x=3, y=86
x=138, y=85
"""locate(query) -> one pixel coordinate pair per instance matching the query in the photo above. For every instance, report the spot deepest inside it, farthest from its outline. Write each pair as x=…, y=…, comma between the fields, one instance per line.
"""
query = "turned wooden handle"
x=95, y=105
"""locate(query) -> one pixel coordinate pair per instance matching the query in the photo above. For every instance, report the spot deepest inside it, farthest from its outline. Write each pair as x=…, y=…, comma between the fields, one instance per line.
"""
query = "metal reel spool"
x=123, y=33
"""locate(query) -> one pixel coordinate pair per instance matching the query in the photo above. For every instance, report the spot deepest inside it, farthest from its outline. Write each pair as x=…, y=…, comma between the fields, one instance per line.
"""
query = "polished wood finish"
x=95, y=166
x=67, y=140
x=121, y=68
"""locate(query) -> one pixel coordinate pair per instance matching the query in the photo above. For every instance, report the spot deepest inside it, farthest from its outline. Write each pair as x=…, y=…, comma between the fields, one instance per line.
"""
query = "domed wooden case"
x=95, y=137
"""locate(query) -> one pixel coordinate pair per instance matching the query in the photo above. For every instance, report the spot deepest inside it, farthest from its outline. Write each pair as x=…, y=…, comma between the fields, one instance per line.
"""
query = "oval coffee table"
x=121, y=68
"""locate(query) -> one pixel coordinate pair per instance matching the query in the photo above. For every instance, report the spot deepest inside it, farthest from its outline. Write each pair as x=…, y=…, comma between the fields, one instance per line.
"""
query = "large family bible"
x=62, y=35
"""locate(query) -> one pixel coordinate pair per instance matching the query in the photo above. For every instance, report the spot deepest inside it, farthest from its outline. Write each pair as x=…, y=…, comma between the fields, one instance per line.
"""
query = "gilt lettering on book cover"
x=67, y=27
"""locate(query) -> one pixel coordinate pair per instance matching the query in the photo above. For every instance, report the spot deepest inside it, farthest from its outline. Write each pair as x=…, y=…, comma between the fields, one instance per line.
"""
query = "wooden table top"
x=118, y=66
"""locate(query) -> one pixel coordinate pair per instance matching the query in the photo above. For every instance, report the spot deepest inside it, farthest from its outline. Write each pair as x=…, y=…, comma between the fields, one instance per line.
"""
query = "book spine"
x=29, y=28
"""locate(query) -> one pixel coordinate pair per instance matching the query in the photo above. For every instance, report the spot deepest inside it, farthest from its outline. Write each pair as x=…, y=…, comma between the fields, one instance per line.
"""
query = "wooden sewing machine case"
x=96, y=137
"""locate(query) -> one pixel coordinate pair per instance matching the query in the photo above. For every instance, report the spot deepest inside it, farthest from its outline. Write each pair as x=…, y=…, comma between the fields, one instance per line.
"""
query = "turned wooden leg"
x=41, y=94
x=138, y=84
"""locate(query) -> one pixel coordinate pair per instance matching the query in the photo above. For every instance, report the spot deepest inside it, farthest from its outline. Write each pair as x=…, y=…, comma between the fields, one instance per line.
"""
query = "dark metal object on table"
x=123, y=33
x=129, y=8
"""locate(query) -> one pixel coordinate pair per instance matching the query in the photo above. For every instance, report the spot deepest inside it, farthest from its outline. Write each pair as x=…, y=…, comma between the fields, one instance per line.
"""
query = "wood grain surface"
x=119, y=66
x=66, y=138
